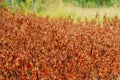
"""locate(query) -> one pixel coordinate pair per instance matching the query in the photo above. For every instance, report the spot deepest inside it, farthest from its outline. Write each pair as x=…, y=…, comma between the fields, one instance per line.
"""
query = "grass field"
x=76, y=12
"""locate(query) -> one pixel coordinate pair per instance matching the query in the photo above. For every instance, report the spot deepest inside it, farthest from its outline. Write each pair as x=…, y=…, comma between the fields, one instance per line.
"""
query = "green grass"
x=77, y=12
x=58, y=8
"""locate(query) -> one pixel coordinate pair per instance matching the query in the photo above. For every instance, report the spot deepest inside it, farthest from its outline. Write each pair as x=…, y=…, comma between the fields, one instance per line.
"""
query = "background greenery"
x=73, y=8
x=81, y=3
x=42, y=4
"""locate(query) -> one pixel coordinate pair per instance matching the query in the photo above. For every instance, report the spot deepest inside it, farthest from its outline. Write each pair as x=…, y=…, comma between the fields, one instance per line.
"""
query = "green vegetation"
x=92, y=3
x=73, y=8
x=29, y=4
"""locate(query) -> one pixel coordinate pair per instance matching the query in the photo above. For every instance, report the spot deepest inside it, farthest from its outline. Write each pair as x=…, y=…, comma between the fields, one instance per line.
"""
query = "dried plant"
x=41, y=48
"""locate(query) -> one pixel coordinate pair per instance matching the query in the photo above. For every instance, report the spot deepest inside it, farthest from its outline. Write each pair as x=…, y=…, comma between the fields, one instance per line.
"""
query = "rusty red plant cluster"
x=41, y=48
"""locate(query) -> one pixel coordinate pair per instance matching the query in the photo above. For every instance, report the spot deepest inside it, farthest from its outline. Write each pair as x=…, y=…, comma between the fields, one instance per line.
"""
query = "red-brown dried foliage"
x=38, y=48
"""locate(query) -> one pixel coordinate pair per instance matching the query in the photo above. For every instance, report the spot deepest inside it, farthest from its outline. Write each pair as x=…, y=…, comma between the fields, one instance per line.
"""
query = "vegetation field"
x=73, y=8
x=44, y=48
x=59, y=39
